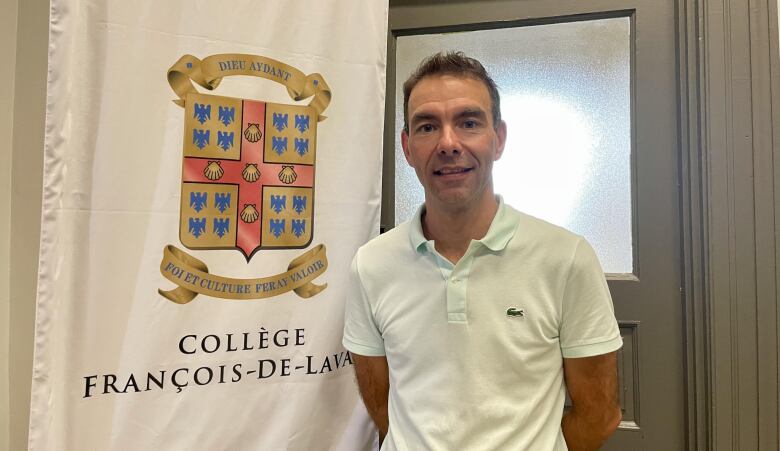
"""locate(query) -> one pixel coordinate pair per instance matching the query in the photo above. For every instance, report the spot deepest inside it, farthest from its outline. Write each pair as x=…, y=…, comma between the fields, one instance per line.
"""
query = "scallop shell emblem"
x=213, y=171
x=287, y=175
x=250, y=173
x=249, y=214
x=253, y=133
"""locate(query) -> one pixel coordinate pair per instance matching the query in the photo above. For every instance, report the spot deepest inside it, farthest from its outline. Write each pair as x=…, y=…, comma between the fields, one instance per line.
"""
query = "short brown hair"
x=452, y=63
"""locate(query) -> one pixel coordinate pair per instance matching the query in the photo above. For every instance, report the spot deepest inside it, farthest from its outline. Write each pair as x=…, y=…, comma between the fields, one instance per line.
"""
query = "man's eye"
x=470, y=123
x=425, y=128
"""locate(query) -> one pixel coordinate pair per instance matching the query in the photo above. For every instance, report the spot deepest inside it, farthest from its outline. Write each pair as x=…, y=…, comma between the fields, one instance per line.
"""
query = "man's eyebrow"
x=418, y=117
x=472, y=112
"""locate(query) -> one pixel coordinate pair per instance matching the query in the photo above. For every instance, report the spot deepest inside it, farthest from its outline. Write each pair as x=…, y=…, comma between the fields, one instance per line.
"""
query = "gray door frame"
x=655, y=376
x=730, y=169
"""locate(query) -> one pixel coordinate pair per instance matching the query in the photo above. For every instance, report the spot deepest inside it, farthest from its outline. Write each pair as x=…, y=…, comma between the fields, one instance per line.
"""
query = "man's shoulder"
x=385, y=257
x=392, y=244
x=531, y=229
x=537, y=228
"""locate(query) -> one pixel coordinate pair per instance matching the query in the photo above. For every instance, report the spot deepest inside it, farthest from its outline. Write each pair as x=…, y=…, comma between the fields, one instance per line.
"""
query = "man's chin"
x=455, y=198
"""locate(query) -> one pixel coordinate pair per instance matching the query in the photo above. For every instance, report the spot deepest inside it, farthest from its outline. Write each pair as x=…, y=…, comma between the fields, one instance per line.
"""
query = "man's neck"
x=453, y=229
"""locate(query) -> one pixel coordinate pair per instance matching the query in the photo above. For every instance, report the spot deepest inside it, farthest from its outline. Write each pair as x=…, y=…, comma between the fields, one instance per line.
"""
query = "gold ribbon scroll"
x=192, y=277
x=209, y=72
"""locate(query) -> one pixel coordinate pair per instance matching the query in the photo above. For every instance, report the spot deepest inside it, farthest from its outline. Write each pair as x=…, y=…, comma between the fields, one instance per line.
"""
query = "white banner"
x=210, y=169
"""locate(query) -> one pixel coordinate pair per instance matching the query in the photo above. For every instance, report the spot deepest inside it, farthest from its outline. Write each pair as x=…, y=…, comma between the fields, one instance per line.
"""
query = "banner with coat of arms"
x=209, y=172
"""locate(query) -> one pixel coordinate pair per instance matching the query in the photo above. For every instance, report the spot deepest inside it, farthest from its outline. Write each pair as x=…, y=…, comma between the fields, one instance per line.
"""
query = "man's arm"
x=374, y=382
x=595, y=413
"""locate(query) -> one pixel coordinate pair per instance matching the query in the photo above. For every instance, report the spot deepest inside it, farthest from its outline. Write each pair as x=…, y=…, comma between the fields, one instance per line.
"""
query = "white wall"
x=23, y=44
x=8, y=54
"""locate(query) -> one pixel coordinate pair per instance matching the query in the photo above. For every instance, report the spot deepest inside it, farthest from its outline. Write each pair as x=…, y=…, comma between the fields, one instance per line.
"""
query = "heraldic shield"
x=248, y=166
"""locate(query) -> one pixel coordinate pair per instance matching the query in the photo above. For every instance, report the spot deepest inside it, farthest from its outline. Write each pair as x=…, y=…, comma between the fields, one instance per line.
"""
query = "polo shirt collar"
x=501, y=230
x=416, y=231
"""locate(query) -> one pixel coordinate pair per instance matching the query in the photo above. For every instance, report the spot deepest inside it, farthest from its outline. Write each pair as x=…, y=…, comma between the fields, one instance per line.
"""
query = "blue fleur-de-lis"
x=227, y=115
x=197, y=226
x=298, y=227
x=202, y=112
x=201, y=138
x=280, y=121
x=299, y=203
x=277, y=226
x=301, y=146
x=222, y=201
x=198, y=200
x=221, y=226
x=278, y=203
x=225, y=140
x=302, y=122
x=279, y=144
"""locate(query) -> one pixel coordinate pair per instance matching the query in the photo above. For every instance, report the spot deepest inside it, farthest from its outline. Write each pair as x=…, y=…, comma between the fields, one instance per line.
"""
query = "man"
x=466, y=322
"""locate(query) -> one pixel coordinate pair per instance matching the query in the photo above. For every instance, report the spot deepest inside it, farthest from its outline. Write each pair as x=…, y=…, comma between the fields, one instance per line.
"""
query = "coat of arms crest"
x=247, y=166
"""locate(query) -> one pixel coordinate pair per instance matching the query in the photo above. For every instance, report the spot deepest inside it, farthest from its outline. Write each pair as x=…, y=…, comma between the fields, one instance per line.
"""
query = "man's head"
x=454, y=132
x=456, y=64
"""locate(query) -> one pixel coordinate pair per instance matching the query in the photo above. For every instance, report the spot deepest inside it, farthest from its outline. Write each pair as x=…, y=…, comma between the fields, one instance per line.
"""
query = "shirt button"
x=455, y=280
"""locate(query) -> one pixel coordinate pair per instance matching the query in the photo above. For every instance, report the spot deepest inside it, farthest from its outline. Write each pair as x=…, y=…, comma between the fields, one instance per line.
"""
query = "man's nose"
x=448, y=141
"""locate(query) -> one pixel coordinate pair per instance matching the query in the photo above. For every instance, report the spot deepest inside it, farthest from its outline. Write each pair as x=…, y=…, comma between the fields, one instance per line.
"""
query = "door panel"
x=648, y=303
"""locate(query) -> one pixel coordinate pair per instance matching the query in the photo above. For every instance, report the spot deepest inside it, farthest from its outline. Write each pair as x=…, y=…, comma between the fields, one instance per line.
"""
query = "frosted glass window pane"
x=565, y=95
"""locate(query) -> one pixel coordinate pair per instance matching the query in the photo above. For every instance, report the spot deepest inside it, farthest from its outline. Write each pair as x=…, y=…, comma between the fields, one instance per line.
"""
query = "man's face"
x=451, y=142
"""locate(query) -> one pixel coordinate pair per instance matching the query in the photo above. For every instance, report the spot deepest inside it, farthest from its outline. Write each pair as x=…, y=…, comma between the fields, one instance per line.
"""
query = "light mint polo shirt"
x=475, y=350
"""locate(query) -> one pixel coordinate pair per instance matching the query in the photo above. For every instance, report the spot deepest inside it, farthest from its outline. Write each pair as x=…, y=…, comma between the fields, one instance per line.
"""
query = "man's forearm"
x=379, y=416
x=593, y=388
x=585, y=431
x=374, y=383
x=376, y=403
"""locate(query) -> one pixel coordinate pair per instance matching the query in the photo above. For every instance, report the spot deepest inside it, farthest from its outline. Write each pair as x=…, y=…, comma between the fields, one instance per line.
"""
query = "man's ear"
x=405, y=146
x=501, y=135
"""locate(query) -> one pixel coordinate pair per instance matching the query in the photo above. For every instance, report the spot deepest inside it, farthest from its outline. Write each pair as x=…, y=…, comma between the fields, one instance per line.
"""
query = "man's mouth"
x=451, y=171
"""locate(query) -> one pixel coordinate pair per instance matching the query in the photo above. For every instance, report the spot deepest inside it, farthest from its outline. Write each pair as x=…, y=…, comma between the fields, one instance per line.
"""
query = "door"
x=629, y=211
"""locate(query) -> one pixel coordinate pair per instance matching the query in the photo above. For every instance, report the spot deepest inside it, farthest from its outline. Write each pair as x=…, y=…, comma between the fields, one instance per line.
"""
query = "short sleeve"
x=361, y=334
x=588, y=326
